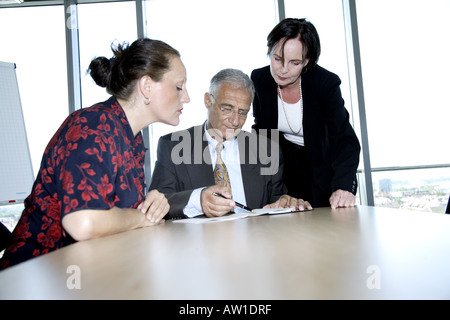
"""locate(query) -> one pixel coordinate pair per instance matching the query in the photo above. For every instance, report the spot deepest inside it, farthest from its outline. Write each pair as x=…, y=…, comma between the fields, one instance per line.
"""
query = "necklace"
x=301, y=107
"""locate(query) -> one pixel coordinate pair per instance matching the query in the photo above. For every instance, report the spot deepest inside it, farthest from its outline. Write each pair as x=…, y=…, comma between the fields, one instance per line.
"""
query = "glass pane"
x=100, y=25
x=420, y=190
x=405, y=64
x=10, y=214
x=327, y=17
x=33, y=41
x=210, y=35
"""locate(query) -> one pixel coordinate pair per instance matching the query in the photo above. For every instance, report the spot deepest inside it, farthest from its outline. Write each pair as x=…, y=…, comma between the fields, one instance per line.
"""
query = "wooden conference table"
x=356, y=253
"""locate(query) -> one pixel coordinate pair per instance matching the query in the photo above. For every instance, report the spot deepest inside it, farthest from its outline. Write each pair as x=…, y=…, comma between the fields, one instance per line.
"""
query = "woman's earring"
x=147, y=101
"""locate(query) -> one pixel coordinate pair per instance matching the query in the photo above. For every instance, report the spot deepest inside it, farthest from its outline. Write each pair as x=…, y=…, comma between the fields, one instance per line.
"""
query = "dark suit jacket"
x=184, y=164
x=332, y=147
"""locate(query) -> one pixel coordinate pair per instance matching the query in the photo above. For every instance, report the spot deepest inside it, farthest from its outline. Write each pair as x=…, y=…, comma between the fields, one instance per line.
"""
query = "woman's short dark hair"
x=131, y=62
x=301, y=29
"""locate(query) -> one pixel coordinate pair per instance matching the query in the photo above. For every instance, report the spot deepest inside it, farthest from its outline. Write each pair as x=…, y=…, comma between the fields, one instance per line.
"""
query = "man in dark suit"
x=186, y=159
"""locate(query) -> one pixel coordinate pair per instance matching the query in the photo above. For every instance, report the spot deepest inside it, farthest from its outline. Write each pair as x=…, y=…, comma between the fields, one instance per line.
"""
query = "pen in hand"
x=237, y=203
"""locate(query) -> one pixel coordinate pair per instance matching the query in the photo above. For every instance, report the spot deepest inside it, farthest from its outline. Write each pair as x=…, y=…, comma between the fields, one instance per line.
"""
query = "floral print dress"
x=92, y=162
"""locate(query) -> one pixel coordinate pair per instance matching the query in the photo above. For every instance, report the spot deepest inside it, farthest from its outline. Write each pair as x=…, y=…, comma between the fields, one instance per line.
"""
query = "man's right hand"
x=214, y=206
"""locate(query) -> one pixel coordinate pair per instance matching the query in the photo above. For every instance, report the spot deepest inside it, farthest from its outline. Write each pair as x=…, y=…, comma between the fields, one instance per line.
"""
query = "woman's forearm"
x=90, y=224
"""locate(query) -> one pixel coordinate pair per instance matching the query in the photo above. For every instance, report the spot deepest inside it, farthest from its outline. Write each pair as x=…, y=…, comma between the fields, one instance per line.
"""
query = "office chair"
x=448, y=206
x=5, y=236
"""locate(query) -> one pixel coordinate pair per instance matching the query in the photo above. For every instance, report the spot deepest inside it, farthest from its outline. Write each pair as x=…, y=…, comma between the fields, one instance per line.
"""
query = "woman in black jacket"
x=303, y=102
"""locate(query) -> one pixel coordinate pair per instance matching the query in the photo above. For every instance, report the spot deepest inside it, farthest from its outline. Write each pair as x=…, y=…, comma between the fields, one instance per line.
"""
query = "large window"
x=327, y=17
x=404, y=54
x=210, y=35
x=32, y=40
x=100, y=25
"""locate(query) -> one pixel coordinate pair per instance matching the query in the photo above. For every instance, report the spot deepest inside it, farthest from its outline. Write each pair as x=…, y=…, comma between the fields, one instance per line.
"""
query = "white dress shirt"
x=230, y=157
x=295, y=116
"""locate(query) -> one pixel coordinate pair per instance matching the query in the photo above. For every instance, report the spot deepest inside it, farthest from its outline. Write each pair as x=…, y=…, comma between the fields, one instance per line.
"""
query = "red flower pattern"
x=92, y=162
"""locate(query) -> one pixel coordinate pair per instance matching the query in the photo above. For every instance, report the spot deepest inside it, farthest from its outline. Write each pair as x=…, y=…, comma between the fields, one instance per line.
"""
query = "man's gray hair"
x=235, y=78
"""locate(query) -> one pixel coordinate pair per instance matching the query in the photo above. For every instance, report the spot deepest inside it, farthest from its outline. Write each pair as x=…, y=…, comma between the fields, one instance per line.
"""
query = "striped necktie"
x=220, y=171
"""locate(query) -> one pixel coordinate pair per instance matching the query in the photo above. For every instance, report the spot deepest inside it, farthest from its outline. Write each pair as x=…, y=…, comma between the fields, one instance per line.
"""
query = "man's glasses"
x=228, y=112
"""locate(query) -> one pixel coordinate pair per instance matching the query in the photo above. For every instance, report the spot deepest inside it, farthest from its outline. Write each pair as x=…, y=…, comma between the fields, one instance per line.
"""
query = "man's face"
x=227, y=111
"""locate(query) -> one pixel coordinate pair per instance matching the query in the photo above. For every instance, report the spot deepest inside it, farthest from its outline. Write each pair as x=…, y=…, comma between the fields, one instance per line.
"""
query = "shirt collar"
x=213, y=142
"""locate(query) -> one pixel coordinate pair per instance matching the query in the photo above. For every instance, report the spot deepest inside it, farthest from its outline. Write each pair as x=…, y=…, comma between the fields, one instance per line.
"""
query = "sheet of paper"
x=262, y=211
x=234, y=216
x=204, y=219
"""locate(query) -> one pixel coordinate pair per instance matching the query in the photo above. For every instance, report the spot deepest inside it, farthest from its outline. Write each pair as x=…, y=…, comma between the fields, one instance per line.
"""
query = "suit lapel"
x=308, y=109
x=248, y=154
x=270, y=99
x=200, y=159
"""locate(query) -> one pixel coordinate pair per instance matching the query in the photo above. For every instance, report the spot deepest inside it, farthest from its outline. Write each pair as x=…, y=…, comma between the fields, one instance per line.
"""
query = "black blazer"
x=331, y=144
x=184, y=164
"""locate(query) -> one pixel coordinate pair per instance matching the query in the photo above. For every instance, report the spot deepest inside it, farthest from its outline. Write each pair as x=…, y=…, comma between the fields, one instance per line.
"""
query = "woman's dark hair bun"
x=144, y=57
x=100, y=71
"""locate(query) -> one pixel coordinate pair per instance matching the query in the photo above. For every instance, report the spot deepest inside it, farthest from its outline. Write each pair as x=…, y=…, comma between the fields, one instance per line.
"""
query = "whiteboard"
x=16, y=171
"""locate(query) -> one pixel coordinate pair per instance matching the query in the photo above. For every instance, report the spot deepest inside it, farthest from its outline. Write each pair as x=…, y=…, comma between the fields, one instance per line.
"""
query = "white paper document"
x=234, y=216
